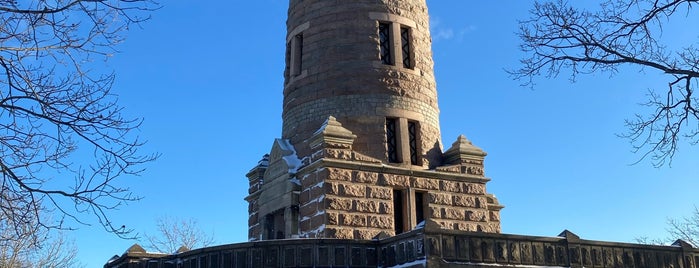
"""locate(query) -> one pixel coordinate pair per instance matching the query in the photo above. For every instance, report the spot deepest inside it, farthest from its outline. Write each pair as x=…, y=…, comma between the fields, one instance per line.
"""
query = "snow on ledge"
x=506, y=265
x=411, y=264
x=292, y=160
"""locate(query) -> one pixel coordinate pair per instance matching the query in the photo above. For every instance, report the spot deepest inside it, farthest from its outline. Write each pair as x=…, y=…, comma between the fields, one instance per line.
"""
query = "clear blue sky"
x=207, y=78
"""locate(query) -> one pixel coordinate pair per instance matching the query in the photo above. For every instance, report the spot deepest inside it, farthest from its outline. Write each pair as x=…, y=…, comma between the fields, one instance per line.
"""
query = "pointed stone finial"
x=136, y=248
x=683, y=244
x=333, y=134
x=182, y=249
x=569, y=235
x=462, y=149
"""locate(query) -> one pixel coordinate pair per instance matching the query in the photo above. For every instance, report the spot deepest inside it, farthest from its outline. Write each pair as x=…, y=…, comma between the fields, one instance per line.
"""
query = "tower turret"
x=368, y=64
x=360, y=153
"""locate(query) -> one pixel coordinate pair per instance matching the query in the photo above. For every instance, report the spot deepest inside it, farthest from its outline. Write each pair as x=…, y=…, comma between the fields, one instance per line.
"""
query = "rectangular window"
x=298, y=54
x=287, y=70
x=405, y=47
x=269, y=226
x=392, y=140
x=275, y=225
x=412, y=135
x=398, y=211
x=385, y=43
x=419, y=207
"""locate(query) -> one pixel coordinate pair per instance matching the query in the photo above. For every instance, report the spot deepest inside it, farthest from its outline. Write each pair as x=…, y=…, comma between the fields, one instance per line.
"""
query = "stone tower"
x=360, y=152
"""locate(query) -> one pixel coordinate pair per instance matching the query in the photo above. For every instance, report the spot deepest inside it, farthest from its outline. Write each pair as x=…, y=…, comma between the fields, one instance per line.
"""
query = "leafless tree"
x=174, y=233
x=63, y=138
x=560, y=37
x=686, y=229
x=35, y=248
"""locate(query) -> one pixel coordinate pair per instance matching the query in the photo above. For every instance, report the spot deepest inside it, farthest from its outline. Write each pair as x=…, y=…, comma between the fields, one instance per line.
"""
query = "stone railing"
x=426, y=247
x=287, y=253
x=466, y=249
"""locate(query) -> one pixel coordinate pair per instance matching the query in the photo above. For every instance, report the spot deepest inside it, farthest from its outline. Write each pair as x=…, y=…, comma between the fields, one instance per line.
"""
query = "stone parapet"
x=429, y=246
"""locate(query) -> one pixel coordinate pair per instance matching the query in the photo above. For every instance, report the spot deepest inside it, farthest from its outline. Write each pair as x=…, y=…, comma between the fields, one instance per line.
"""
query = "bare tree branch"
x=686, y=229
x=559, y=37
x=174, y=233
x=35, y=247
x=63, y=138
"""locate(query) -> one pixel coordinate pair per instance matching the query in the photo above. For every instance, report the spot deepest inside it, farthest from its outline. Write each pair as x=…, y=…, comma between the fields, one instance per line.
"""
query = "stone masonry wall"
x=342, y=74
x=353, y=204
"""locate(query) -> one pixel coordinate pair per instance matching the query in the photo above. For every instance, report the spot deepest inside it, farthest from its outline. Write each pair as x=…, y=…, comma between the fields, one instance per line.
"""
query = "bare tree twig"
x=559, y=37
x=56, y=111
x=174, y=233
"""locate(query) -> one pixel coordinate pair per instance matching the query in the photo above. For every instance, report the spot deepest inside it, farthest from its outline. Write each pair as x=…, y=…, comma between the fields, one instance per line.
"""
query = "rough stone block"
x=365, y=177
x=378, y=192
x=494, y=216
x=336, y=203
x=354, y=220
x=309, y=180
x=365, y=234
x=329, y=187
x=464, y=226
x=465, y=201
x=453, y=213
x=252, y=220
x=369, y=206
x=317, y=220
x=385, y=208
x=339, y=232
x=340, y=174
x=435, y=212
x=351, y=190
x=472, y=188
x=479, y=216
x=395, y=180
x=381, y=222
x=333, y=218
x=440, y=198
x=308, y=210
x=451, y=186
x=423, y=183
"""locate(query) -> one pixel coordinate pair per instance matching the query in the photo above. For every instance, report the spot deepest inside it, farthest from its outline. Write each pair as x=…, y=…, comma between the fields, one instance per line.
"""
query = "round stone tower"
x=368, y=63
x=360, y=153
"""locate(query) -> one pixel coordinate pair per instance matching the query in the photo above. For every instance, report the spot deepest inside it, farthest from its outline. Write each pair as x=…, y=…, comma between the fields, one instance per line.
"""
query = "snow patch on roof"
x=322, y=127
x=412, y=264
x=505, y=265
x=292, y=160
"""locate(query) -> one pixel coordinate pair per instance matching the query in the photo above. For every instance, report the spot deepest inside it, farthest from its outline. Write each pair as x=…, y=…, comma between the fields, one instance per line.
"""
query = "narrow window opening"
x=287, y=70
x=385, y=43
x=279, y=225
x=412, y=136
x=269, y=226
x=298, y=54
x=398, y=211
x=405, y=47
x=419, y=207
x=274, y=225
x=392, y=140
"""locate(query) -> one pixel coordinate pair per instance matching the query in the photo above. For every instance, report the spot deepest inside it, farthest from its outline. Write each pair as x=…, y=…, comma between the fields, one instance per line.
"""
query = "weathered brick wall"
x=343, y=75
